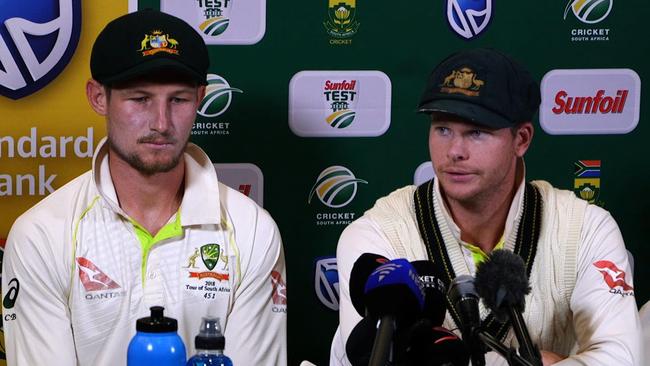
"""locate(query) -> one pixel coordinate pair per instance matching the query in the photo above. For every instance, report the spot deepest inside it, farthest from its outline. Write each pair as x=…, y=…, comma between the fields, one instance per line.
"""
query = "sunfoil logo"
x=335, y=187
x=589, y=11
x=37, y=41
x=340, y=102
x=218, y=95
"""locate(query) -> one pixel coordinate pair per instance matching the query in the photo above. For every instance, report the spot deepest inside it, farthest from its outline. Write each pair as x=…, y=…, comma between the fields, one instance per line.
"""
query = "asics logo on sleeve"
x=93, y=278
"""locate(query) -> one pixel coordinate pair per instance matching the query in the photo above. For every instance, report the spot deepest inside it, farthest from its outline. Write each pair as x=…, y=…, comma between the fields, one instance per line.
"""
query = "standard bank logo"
x=335, y=187
x=218, y=95
x=468, y=18
x=589, y=11
x=222, y=21
x=590, y=101
x=339, y=103
x=36, y=43
x=326, y=282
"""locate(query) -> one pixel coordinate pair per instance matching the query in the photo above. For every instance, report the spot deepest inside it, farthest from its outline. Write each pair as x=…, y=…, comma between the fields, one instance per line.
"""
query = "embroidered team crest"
x=210, y=254
x=157, y=41
x=463, y=81
x=468, y=18
x=27, y=66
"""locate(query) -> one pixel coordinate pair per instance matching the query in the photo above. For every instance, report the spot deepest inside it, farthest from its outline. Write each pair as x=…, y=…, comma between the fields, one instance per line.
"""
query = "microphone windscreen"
x=358, y=347
x=394, y=289
x=361, y=270
x=434, y=346
x=434, y=291
x=501, y=281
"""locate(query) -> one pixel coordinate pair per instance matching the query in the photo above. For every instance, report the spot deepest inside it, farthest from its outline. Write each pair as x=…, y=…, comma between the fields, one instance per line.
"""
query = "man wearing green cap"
x=581, y=310
x=150, y=224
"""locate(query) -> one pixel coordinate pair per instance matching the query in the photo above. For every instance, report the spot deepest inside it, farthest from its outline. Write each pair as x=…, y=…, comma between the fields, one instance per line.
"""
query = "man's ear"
x=523, y=138
x=97, y=96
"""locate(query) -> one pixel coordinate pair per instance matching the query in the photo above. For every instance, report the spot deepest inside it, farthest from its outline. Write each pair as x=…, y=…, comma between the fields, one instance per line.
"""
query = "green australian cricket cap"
x=483, y=86
x=145, y=41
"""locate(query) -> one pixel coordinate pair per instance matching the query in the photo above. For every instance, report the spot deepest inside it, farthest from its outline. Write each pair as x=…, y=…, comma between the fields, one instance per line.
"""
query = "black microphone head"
x=434, y=346
x=434, y=291
x=358, y=347
x=361, y=270
x=501, y=281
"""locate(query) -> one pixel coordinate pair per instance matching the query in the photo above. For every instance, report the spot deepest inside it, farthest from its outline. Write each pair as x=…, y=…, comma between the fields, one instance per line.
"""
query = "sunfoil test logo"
x=340, y=102
x=217, y=99
x=215, y=16
x=468, y=18
x=220, y=21
x=341, y=23
x=37, y=41
x=325, y=103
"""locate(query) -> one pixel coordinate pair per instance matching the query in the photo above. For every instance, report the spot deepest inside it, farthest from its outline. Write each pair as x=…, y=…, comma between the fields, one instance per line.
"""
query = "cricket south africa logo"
x=218, y=96
x=37, y=41
x=340, y=97
x=589, y=11
x=335, y=187
x=468, y=18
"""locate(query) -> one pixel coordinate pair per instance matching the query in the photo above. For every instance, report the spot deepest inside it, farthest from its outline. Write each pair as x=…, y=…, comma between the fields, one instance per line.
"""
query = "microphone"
x=361, y=270
x=393, y=294
x=434, y=346
x=464, y=297
x=503, y=284
x=434, y=291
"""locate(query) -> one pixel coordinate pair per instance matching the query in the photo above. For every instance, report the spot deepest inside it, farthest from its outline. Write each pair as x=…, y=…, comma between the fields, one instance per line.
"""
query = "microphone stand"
x=526, y=346
x=508, y=353
x=381, y=350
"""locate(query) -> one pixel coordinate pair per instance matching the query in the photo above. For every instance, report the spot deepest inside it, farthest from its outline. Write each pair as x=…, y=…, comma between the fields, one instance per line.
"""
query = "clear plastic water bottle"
x=209, y=344
x=156, y=342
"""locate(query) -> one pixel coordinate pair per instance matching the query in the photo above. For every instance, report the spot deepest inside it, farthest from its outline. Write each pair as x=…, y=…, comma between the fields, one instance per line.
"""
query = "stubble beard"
x=148, y=169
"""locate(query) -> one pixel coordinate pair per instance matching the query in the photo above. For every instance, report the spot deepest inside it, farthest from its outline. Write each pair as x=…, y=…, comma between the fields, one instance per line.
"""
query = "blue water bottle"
x=156, y=342
x=209, y=344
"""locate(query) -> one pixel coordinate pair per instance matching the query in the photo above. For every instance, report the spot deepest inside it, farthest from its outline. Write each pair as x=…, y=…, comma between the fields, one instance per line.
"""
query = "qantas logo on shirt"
x=614, y=278
x=93, y=278
x=279, y=293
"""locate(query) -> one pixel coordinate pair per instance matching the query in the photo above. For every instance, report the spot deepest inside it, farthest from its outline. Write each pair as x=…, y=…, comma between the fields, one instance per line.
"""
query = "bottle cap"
x=210, y=336
x=157, y=322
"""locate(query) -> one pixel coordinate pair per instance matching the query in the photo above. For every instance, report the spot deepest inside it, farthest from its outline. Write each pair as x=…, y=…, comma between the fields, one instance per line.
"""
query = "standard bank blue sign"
x=326, y=282
x=468, y=18
x=37, y=40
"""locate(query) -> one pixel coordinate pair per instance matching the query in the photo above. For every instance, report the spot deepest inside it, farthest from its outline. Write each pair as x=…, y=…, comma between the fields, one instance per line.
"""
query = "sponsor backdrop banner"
x=310, y=110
